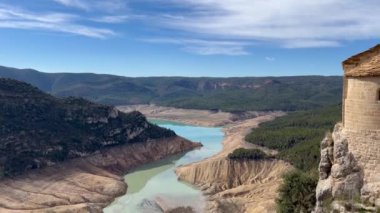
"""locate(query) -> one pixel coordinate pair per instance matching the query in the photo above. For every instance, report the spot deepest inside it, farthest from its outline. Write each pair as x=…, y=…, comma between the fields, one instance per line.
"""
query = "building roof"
x=364, y=64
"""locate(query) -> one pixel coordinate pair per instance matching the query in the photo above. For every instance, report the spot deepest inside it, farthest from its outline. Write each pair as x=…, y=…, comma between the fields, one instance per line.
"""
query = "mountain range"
x=227, y=94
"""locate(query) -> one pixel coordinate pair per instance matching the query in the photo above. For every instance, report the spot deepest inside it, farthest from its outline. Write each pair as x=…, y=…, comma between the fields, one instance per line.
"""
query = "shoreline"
x=229, y=186
x=84, y=184
x=93, y=182
x=258, y=192
x=194, y=117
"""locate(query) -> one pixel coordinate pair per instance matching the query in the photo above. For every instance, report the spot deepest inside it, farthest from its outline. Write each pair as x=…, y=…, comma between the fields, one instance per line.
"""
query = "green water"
x=158, y=180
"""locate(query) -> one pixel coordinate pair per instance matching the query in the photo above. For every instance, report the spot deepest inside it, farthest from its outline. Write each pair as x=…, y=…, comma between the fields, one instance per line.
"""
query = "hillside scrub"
x=297, y=193
x=248, y=154
x=297, y=137
x=38, y=129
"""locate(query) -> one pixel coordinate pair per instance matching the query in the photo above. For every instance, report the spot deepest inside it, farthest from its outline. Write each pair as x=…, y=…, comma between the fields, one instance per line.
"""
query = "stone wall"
x=361, y=104
x=365, y=147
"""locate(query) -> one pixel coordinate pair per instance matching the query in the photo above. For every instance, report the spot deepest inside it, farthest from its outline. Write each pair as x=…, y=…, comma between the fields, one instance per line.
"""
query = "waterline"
x=157, y=182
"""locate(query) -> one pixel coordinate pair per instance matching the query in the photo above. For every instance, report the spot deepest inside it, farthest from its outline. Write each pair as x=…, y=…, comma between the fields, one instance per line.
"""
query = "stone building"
x=361, y=94
x=361, y=112
x=350, y=157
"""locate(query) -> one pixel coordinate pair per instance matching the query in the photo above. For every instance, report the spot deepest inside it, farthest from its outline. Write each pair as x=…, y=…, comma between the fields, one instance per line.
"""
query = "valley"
x=229, y=186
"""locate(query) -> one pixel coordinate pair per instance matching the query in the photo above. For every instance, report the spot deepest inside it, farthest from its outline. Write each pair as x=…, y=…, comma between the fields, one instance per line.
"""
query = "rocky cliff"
x=343, y=184
x=38, y=130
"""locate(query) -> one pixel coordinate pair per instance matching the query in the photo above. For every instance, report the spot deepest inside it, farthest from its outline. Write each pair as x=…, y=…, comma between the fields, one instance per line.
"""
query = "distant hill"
x=228, y=94
x=37, y=129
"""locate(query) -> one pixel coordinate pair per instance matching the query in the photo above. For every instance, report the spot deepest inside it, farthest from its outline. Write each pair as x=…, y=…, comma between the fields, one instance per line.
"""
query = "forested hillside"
x=37, y=129
x=227, y=94
x=297, y=137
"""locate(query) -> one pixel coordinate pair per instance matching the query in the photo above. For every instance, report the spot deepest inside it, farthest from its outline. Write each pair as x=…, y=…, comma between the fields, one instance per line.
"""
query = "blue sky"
x=187, y=37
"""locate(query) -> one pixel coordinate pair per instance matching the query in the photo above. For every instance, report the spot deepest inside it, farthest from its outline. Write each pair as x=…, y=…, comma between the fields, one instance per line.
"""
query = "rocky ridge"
x=39, y=130
x=67, y=155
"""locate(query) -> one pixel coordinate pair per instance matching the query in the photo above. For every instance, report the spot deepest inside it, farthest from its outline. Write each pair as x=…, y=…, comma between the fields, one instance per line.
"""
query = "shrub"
x=248, y=154
x=297, y=193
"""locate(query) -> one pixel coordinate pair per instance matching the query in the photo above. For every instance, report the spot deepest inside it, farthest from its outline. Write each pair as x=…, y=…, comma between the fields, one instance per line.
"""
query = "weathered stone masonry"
x=350, y=158
x=361, y=113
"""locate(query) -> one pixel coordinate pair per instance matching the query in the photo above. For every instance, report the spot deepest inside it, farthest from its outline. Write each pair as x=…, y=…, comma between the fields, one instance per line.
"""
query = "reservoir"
x=157, y=182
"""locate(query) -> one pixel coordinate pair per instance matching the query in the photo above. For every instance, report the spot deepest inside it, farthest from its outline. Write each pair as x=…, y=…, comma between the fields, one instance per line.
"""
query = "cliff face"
x=236, y=185
x=38, y=130
x=84, y=184
x=344, y=183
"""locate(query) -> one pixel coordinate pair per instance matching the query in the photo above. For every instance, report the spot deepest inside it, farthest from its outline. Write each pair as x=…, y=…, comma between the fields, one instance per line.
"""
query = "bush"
x=297, y=193
x=248, y=154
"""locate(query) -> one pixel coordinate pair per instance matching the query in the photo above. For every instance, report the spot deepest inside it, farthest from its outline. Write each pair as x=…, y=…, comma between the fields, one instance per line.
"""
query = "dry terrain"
x=191, y=116
x=83, y=185
x=238, y=186
x=231, y=186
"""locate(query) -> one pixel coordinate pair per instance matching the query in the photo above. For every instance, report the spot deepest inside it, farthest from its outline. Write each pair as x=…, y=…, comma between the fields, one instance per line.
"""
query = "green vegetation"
x=37, y=129
x=248, y=154
x=227, y=94
x=297, y=193
x=297, y=137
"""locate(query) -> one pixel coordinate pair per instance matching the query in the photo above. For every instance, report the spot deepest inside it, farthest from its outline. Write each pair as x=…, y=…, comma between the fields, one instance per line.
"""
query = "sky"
x=218, y=38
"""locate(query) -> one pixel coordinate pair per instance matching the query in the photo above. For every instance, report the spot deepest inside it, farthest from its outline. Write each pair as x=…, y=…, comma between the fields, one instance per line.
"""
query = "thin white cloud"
x=310, y=43
x=287, y=23
x=206, y=47
x=270, y=58
x=16, y=18
x=100, y=5
x=74, y=3
x=111, y=19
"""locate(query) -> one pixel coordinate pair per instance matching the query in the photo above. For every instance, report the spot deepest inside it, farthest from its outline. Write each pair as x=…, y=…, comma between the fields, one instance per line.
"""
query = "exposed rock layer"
x=237, y=186
x=344, y=185
x=83, y=185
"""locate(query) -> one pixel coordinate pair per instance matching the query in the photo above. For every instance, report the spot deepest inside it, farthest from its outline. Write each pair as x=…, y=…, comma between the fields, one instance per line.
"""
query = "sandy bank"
x=83, y=185
x=209, y=118
x=238, y=186
x=231, y=186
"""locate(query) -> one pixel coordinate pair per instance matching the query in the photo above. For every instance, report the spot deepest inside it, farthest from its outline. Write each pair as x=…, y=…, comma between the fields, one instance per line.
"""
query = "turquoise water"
x=157, y=181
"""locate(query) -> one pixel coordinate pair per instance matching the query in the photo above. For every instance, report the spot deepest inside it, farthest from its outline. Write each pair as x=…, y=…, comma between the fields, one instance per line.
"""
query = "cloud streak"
x=15, y=18
x=286, y=23
x=205, y=47
x=95, y=5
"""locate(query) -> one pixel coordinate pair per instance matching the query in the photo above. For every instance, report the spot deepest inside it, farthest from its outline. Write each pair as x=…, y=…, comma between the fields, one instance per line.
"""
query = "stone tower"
x=349, y=170
x=361, y=95
x=361, y=112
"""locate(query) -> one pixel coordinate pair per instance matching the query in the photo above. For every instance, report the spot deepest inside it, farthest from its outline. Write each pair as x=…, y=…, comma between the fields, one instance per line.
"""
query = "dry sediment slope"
x=83, y=185
x=237, y=186
x=190, y=116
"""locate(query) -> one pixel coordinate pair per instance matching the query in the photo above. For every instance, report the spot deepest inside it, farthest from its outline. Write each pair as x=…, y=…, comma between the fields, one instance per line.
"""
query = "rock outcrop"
x=342, y=186
x=86, y=184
